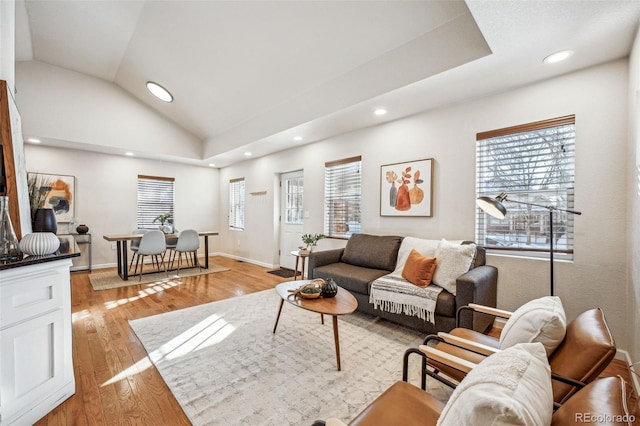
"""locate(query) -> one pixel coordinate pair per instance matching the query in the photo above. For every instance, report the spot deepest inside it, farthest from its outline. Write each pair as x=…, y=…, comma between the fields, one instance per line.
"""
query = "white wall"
x=68, y=106
x=597, y=96
x=7, y=42
x=106, y=191
x=633, y=168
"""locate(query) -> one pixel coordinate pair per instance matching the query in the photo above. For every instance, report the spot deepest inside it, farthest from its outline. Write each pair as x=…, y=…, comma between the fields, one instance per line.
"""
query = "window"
x=236, y=203
x=294, y=190
x=342, y=194
x=155, y=198
x=533, y=163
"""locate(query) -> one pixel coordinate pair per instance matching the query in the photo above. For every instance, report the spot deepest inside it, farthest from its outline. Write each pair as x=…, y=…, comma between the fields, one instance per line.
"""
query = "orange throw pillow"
x=419, y=269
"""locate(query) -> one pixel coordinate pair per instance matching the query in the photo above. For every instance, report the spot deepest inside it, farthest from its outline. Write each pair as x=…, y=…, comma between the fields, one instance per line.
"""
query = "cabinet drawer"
x=31, y=295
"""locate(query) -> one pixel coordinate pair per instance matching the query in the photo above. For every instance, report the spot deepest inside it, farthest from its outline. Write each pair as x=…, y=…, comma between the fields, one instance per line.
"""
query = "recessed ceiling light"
x=248, y=154
x=34, y=140
x=159, y=91
x=380, y=111
x=558, y=56
x=297, y=138
x=129, y=154
x=212, y=165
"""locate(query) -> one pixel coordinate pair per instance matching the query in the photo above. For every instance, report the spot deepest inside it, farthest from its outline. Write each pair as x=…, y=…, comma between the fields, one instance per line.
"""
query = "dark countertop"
x=66, y=251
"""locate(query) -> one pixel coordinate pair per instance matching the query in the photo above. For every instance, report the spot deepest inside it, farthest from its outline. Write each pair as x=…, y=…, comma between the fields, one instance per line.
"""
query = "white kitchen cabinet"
x=36, y=363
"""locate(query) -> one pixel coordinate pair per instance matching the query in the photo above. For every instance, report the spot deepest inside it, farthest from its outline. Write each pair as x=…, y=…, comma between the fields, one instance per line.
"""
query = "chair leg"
x=133, y=257
x=179, y=261
x=141, y=267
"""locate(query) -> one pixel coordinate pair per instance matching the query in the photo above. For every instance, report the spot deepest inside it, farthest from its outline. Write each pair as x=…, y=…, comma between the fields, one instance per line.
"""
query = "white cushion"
x=540, y=320
x=426, y=248
x=453, y=260
x=512, y=387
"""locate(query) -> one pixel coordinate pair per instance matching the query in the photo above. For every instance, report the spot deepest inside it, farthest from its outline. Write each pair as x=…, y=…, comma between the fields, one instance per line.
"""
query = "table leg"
x=206, y=252
x=304, y=261
x=119, y=258
x=125, y=262
x=278, y=317
x=336, y=338
x=322, y=319
x=295, y=272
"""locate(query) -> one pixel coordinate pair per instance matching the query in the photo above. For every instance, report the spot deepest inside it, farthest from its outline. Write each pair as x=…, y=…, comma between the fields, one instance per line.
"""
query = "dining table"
x=122, y=249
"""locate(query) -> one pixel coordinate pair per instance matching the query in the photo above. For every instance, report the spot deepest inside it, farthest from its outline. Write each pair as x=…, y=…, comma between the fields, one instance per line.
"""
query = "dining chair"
x=188, y=243
x=152, y=244
x=135, y=244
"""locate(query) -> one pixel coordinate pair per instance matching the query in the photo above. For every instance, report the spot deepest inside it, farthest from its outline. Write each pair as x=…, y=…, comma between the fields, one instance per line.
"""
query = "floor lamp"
x=495, y=208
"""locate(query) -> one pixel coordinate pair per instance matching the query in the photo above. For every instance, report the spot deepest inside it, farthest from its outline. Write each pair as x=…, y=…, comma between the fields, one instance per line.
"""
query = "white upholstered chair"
x=135, y=244
x=152, y=244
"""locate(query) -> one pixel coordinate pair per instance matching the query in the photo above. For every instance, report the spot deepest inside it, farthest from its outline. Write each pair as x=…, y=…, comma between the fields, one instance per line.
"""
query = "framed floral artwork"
x=406, y=189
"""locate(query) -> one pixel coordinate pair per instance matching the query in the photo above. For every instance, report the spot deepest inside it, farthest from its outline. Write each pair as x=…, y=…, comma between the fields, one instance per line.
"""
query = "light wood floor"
x=104, y=345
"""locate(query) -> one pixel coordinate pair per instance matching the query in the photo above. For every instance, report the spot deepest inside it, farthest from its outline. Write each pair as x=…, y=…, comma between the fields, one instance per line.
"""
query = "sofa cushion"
x=453, y=261
x=540, y=320
x=372, y=251
x=418, y=269
x=350, y=277
x=512, y=387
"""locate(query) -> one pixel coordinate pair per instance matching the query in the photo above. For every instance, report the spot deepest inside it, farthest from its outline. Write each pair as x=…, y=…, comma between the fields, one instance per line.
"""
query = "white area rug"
x=226, y=367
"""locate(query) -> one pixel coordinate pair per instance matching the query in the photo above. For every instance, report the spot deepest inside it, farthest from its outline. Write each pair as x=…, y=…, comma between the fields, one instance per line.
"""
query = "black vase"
x=82, y=229
x=45, y=221
x=329, y=289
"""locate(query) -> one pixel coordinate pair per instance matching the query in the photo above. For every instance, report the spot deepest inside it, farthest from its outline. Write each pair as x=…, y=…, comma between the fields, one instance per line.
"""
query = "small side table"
x=299, y=256
x=83, y=240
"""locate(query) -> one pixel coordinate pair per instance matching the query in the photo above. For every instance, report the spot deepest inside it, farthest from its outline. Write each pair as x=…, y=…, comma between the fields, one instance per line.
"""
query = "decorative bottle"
x=8, y=242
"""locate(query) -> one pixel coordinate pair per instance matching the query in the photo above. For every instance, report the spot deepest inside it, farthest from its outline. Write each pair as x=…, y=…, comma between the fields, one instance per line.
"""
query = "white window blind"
x=533, y=163
x=155, y=198
x=342, y=197
x=236, y=203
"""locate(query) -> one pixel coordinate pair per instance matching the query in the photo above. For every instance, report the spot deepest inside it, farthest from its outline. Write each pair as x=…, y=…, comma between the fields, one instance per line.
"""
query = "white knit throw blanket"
x=394, y=294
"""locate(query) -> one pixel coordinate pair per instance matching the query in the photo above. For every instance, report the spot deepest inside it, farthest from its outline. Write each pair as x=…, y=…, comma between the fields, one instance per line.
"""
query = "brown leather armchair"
x=588, y=347
x=602, y=402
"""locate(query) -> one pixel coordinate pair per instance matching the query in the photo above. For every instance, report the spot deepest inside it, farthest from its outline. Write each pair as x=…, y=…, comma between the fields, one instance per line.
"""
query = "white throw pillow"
x=426, y=248
x=540, y=320
x=512, y=387
x=453, y=260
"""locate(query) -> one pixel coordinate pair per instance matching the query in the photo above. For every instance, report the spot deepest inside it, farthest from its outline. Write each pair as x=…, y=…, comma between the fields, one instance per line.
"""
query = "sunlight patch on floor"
x=79, y=315
x=208, y=332
x=153, y=288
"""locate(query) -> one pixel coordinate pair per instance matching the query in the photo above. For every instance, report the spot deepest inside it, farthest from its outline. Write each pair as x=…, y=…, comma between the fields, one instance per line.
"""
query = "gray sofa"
x=368, y=257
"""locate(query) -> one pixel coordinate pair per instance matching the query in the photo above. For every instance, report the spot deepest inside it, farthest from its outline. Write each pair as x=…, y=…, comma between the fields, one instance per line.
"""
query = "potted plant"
x=163, y=218
x=311, y=239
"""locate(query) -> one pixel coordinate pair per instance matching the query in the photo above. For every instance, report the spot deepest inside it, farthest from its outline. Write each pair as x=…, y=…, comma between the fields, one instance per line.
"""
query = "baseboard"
x=499, y=322
x=244, y=259
x=623, y=355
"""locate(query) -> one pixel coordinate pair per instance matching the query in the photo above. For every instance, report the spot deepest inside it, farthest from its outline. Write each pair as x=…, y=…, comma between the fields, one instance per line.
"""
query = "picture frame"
x=61, y=194
x=406, y=189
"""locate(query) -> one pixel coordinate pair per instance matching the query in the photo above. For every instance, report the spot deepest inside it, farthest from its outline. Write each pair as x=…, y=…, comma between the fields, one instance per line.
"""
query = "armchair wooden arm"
x=468, y=344
x=501, y=313
x=448, y=359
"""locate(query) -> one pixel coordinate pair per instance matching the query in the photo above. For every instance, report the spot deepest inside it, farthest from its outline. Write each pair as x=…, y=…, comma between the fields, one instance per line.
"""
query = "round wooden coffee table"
x=343, y=304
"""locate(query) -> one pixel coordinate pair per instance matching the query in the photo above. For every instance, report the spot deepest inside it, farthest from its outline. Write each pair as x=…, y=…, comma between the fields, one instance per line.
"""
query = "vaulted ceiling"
x=252, y=75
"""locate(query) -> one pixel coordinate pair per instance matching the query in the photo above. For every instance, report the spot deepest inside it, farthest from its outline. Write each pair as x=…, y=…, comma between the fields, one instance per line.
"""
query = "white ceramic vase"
x=39, y=243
